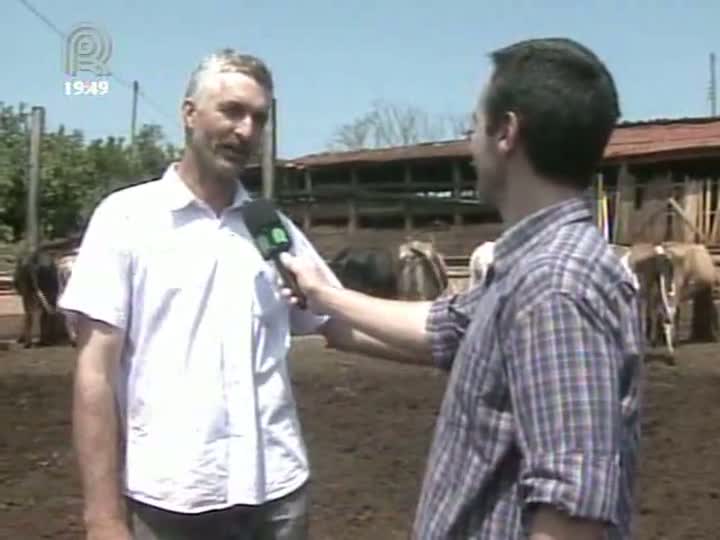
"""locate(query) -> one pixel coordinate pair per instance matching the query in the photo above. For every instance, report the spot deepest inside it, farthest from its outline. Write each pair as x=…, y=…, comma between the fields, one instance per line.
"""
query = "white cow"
x=480, y=261
x=64, y=268
x=652, y=271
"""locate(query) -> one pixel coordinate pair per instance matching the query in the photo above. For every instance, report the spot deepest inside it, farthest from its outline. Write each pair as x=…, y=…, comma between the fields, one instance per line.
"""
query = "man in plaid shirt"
x=538, y=432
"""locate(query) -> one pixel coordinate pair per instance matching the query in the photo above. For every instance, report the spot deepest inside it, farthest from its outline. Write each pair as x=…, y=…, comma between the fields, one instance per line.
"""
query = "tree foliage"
x=390, y=124
x=74, y=174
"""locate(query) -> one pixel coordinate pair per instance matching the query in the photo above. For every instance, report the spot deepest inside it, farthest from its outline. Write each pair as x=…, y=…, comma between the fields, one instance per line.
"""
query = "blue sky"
x=331, y=60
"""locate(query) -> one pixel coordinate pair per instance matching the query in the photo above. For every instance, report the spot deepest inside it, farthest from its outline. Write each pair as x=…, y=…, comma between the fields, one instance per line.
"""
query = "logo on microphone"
x=87, y=48
x=279, y=236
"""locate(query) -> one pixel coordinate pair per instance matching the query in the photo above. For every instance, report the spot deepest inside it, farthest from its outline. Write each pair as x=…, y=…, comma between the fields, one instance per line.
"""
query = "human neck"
x=530, y=193
x=217, y=191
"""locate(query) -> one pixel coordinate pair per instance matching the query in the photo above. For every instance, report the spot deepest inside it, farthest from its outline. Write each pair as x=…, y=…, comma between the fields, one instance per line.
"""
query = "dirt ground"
x=368, y=425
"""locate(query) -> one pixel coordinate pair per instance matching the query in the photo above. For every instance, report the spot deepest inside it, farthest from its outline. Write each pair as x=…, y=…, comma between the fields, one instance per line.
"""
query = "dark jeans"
x=281, y=519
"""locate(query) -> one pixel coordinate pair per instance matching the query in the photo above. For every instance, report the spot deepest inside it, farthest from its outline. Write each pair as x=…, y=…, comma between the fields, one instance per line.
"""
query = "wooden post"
x=691, y=209
x=352, y=202
x=457, y=191
x=715, y=232
x=307, y=210
x=407, y=209
x=708, y=207
x=688, y=221
x=652, y=218
x=624, y=207
x=268, y=154
x=36, y=131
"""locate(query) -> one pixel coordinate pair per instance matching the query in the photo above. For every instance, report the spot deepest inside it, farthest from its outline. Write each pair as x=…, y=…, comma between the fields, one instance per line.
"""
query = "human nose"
x=245, y=126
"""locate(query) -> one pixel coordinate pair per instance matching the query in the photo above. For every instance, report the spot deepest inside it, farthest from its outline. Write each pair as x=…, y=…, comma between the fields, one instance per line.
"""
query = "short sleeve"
x=447, y=322
x=100, y=281
x=304, y=321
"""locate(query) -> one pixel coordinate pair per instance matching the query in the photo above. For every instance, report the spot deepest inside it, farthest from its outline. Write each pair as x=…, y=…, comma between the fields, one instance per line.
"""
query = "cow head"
x=655, y=272
x=668, y=292
x=422, y=271
x=370, y=271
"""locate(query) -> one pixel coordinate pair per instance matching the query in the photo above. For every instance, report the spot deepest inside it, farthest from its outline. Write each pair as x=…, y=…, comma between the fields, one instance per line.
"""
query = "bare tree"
x=390, y=124
x=354, y=135
x=459, y=125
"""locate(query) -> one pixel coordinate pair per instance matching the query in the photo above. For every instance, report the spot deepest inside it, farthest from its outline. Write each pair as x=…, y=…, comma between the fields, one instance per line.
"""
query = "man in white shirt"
x=184, y=421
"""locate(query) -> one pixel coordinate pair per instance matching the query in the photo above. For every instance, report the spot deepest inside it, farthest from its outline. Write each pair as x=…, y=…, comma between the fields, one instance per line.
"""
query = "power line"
x=43, y=18
x=153, y=105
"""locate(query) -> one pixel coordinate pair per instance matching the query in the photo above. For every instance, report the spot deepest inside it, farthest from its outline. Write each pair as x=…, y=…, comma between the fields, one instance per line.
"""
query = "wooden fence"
x=658, y=209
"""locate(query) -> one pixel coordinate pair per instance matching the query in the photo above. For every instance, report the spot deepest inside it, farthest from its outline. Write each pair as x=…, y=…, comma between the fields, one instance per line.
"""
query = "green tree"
x=14, y=164
x=66, y=182
x=74, y=175
x=150, y=156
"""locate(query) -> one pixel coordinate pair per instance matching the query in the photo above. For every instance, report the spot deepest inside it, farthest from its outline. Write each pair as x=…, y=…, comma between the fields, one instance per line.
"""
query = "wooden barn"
x=659, y=181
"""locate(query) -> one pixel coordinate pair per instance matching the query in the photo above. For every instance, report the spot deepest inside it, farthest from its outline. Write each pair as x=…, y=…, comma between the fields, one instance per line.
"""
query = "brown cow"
x=422, y=273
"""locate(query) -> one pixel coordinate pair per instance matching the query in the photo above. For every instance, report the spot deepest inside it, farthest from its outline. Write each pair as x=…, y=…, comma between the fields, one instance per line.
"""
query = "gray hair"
x=229, y=61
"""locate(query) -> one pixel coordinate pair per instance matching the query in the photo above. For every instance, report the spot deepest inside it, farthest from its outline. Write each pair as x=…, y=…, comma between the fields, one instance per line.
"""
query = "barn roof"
x=647, y=141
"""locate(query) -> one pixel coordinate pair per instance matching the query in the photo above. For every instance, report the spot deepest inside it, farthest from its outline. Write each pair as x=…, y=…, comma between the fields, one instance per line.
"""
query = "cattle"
x=64, y=267
x=36, y=281
x=693, y=277
x=371, y=271
x=623, y=253
x=652, y=273
x=669, y=274
x=422, y=273
x=415, y=271
x=39, y=279
x=480, y=261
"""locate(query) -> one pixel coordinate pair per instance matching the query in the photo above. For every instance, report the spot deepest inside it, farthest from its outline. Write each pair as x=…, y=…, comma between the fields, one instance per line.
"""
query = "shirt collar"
x=539, y=227
x=178, y=195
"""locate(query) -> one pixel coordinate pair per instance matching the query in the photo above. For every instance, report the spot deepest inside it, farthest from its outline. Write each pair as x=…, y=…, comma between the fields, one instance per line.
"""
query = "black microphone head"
x=265, y=226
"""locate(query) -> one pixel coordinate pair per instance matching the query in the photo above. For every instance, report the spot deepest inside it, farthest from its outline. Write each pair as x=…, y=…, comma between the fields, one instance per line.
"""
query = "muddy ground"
x=368, y=425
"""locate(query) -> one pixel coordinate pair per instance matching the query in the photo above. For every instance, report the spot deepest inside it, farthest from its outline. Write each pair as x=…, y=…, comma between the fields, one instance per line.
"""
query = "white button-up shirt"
x=206, y=406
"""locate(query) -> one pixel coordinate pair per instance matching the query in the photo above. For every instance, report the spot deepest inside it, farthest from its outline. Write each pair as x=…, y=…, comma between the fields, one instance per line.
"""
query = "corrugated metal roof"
x=652, y=140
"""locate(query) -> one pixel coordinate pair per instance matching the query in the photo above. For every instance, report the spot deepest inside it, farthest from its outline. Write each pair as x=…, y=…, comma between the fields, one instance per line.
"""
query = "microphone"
x=271, y=238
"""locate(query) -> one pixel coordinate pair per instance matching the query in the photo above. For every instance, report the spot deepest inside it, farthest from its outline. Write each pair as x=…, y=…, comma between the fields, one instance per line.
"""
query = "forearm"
x=340, y=335
x=95, y=436
x=392, y=326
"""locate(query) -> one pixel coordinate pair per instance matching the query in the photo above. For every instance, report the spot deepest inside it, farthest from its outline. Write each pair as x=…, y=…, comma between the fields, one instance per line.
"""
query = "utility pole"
x=36, y=130
x=269, y=149
x=133, y=129
x=713, y=89
x=133, y=119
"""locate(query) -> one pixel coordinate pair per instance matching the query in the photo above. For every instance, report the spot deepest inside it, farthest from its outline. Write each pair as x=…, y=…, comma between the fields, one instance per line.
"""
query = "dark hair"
x=565, y=100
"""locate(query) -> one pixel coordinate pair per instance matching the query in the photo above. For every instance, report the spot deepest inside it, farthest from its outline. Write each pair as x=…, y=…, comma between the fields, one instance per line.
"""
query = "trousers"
x=281, y=519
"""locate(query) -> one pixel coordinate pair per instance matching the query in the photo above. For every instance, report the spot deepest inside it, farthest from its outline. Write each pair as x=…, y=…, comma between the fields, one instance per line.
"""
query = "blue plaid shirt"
x=543, y=396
